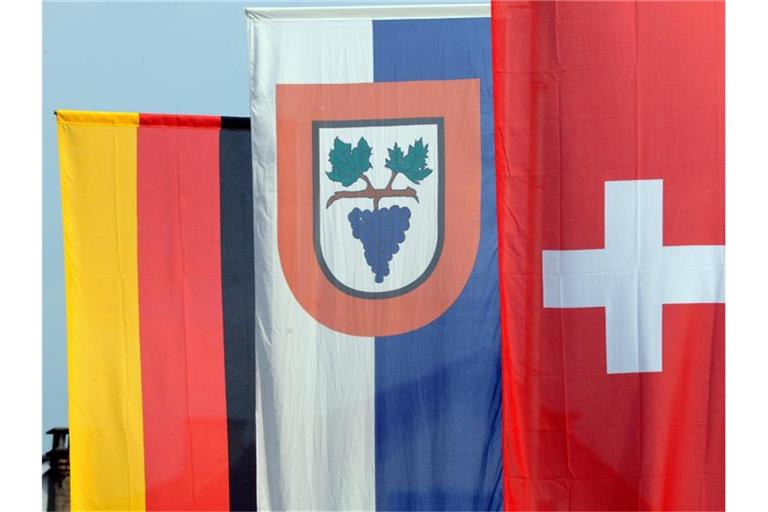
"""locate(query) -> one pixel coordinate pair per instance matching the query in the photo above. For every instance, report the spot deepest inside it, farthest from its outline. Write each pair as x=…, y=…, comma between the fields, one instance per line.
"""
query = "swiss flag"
x=610, y=174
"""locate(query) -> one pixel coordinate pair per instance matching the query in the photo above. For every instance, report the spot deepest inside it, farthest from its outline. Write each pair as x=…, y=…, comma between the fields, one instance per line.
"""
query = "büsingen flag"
x=158, y=242
x=376, y=297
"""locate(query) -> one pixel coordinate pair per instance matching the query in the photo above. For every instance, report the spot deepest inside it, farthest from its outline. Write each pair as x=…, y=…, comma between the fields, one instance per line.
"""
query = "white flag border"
x=371, y=12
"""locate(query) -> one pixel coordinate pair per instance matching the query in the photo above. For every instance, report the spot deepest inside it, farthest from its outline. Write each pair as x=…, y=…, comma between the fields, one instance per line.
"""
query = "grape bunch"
x=381, y=233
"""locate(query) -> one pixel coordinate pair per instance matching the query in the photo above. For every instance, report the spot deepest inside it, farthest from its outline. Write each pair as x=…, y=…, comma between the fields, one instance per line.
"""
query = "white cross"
x=634, y=275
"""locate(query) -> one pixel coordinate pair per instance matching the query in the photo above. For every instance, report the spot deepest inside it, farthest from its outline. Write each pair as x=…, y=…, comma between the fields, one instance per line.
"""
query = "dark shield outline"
x=316, y=126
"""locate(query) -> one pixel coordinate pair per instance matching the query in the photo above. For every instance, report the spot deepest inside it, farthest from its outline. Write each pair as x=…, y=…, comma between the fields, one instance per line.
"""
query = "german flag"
x=158, y=241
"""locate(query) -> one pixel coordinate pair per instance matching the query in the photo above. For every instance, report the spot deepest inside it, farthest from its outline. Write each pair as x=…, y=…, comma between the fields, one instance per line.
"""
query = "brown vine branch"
x=372, y=193
x=391, y=180
x=367, y=181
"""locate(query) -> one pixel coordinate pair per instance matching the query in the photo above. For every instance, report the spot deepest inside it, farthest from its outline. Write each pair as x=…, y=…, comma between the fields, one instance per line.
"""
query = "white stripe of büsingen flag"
x=315, y=387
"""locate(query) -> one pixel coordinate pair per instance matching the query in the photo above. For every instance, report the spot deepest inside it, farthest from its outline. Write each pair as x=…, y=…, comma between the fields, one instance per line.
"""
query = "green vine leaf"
x=413, y=165
x=347, y=164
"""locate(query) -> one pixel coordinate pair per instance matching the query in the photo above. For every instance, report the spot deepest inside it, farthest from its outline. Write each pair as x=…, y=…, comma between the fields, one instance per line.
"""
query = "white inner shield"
x=343, y=254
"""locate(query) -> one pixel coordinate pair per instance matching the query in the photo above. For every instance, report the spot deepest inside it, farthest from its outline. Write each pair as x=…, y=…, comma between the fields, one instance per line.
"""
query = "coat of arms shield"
x=378, y=199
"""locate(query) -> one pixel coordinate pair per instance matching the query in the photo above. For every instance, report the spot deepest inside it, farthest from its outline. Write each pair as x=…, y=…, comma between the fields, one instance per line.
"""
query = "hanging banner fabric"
x=377, y=339
x=610, y=169
x=157, y=218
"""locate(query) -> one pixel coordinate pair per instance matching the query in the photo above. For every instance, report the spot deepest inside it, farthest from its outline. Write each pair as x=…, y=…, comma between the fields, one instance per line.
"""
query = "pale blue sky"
x=188, y=58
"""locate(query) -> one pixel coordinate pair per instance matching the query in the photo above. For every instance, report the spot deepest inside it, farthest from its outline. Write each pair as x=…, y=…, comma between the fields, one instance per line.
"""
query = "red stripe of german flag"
x=182, y=348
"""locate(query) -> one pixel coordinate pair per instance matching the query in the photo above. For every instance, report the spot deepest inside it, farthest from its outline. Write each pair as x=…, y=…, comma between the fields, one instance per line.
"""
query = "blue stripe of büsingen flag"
x=438, y=404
